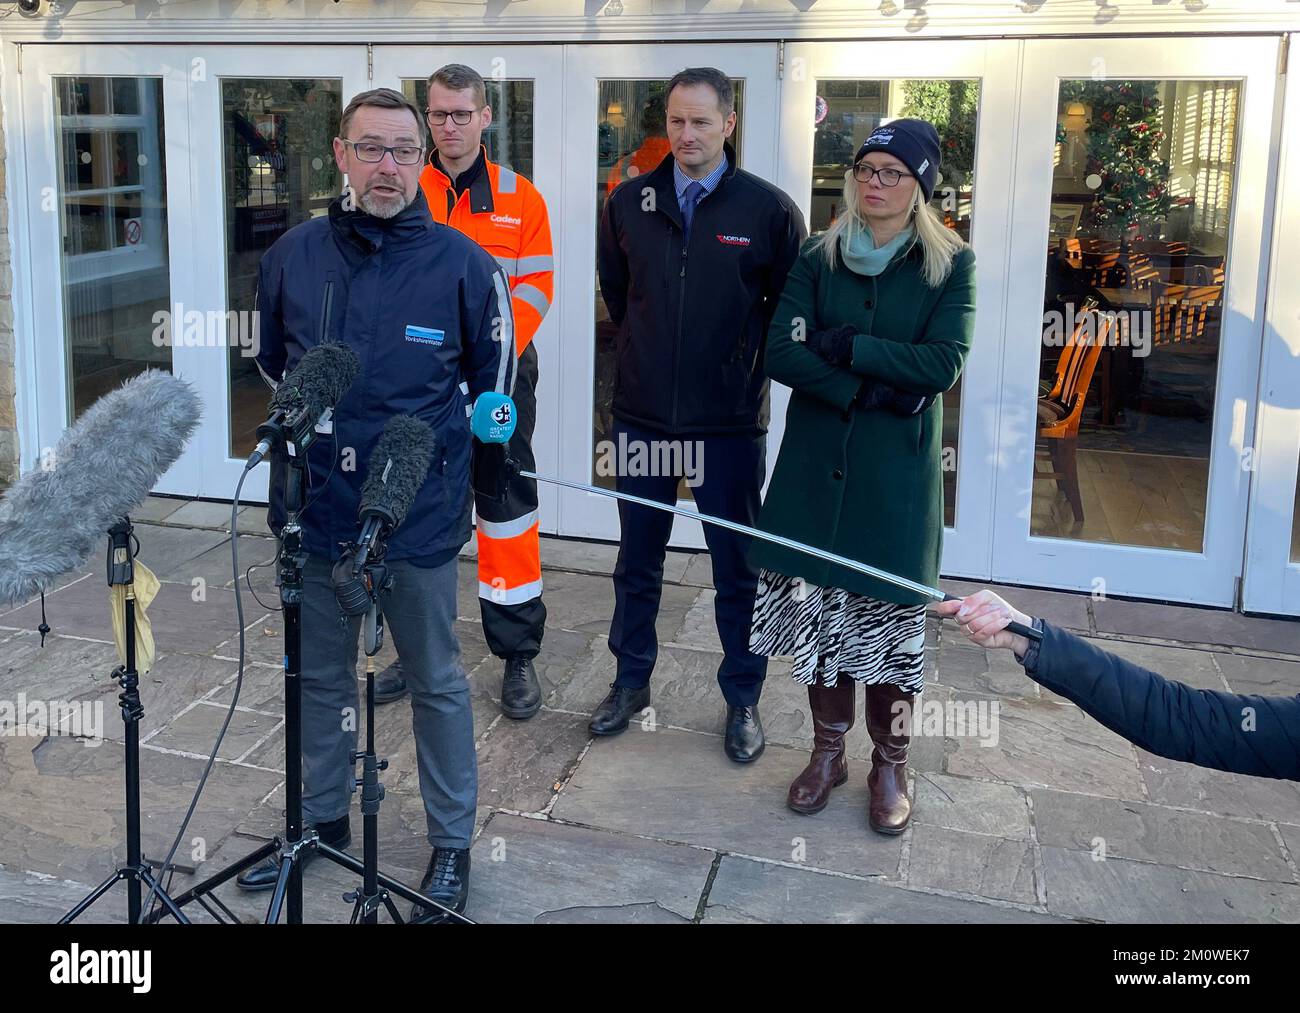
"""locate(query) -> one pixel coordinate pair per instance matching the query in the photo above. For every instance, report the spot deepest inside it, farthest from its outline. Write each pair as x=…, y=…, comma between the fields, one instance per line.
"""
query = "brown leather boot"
x=890, y=809
x=832, y=714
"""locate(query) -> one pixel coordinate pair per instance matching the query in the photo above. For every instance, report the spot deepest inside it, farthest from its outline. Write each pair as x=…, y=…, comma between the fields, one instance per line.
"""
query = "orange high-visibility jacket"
x=505, y=214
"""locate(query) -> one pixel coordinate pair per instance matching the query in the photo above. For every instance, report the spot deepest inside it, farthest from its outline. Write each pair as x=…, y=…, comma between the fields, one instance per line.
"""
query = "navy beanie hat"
x=915, y=143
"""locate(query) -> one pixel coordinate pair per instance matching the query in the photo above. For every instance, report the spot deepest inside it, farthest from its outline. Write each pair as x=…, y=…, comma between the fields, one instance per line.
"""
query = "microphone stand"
x=121, y=572
x=296, y=843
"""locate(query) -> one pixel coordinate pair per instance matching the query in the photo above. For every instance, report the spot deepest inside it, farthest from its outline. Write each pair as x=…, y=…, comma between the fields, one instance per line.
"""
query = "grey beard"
x=380, y=208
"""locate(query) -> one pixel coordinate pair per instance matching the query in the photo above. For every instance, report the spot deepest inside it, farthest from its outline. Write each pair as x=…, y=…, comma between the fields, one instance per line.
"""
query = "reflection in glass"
x=1295, y=526
x=509, y=139
x=1141, y=194
x=632, y=139
x=847, y=112
x=113, y=208
x=279, y=171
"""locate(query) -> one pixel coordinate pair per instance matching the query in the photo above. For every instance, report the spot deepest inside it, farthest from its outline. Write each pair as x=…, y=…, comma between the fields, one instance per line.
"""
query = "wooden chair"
x=1060, y=410
x=1178, y=377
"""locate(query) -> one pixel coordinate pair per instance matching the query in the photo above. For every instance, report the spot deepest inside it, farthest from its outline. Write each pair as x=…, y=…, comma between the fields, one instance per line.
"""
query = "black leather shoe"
x=263, y=877
x=445, y=881
x=390, y=684
x=744, y=742
x=521, y=697
x=617, y=708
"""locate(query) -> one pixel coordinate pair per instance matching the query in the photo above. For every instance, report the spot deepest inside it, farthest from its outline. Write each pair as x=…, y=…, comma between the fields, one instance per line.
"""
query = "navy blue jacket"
x=689, y=350
x=424, y=307
x=1257, y=735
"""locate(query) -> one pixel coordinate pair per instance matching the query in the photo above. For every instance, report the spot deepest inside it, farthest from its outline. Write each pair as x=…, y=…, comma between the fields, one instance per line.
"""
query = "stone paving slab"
x=69, y=819
x=979, y=807
x=745, y=891
x=157, y=508
x=1119, y=890
x=1150, y=833
x=179, y=622
x=1183, y=784
x=213, y=566
x=1266, y=676
x=639, y=781
x=531, y=871
x=1048, y=744
x=981, y=864
x=1197, y=625
x=31, y=899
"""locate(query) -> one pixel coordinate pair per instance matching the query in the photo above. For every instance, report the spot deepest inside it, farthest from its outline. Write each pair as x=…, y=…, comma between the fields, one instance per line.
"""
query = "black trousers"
x=731, y=470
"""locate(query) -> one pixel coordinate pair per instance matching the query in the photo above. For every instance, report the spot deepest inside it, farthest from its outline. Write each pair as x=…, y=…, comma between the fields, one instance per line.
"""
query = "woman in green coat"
x=874, y=323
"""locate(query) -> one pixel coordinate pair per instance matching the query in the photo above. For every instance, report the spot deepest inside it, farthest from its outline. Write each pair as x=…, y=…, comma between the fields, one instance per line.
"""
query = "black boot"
x=617, y=708
x=744, y=741
x=390, y=684
x=521, y=697
x=445, y=881
x=337, y=834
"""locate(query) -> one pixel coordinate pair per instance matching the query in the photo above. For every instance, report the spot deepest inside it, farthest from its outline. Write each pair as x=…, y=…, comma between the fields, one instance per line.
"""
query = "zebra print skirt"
x=831, y=632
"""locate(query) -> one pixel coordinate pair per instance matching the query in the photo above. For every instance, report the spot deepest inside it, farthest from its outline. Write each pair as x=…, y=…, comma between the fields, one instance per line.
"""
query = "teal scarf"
x=863, y=256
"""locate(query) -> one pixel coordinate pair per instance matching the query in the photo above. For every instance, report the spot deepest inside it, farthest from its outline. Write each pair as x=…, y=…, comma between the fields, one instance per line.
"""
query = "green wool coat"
x=864, y=484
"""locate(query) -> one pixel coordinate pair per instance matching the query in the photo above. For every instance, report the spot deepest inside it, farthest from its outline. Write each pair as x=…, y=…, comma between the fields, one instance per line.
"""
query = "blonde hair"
x=939, y=244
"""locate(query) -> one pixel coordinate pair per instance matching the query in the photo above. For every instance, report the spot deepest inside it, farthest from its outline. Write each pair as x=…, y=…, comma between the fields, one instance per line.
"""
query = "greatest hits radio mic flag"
x=493, y=420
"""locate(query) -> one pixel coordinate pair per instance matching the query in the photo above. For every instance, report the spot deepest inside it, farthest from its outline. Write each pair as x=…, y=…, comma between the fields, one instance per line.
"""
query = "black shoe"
x=445, y=881
x=390, y=684
x=744, y=742
x=521, y=697
x=617, y=708
x=264, y=876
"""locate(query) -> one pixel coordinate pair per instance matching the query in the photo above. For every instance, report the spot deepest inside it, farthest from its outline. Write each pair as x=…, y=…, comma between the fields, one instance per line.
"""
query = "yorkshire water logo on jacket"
x=424, y=335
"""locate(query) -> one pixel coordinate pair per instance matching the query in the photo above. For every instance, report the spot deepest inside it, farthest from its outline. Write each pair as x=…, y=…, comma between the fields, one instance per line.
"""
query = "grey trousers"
x=419, y=612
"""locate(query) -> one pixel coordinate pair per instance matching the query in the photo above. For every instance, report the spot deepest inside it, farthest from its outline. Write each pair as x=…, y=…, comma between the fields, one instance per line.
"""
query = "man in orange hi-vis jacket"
x=504, y=213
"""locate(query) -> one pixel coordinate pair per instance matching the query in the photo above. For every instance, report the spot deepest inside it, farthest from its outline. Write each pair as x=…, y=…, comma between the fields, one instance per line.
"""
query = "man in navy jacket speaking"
x=424, y=308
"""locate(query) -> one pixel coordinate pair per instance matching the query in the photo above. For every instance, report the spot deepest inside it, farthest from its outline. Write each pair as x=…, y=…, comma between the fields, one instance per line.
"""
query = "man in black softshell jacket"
x=692, y=257
x=1243, y=734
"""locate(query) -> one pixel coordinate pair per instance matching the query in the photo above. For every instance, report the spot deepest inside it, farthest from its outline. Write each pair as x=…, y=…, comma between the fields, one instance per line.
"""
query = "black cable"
x=258, y=566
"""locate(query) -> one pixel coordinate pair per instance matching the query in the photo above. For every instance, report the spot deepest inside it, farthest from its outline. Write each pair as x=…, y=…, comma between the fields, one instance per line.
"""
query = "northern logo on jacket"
x=733, y=240
x=424, y=335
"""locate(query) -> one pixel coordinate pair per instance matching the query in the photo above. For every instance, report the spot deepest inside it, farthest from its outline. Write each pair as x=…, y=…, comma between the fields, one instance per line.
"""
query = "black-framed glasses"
x=863, y=172
x=403, y=154
x=458, y=116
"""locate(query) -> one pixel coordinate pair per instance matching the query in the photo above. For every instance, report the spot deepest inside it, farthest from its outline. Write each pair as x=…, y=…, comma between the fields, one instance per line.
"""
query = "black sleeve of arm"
x=271, y=351
x=1256, y=735
x=611, y=266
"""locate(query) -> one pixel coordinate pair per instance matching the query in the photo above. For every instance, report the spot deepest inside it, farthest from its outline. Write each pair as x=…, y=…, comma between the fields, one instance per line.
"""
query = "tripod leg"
x=287, y=862
x=147, y=878
x=90, y=898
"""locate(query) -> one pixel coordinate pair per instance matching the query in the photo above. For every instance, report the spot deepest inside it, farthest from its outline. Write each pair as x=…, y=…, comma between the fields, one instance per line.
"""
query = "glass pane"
x=847, y=112
x=1141, y=195
x=279, y=171
x=509, y=140
x=632, y=138
x=113, y=206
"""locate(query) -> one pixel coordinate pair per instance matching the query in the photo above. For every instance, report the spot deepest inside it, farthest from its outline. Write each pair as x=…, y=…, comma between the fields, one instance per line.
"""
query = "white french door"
x=526, y=92
x=1272, y=579
x=832, y=97
x=101, y=153
x=1175, y=137
x=262, y=121
x=606, y=92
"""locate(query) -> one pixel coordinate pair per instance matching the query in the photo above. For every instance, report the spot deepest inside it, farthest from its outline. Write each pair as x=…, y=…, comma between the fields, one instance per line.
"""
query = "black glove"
x=877, y=394
x=834, y=344
x=491, y=469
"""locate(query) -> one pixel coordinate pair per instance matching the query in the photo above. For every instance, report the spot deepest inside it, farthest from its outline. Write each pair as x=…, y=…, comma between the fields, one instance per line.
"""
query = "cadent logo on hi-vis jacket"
x=733, y=240
x=505, y=220
x=424, y=335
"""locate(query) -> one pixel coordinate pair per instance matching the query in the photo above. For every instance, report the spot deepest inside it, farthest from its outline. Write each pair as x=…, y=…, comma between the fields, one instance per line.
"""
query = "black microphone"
x=104, y=466
x=398, y=468
x=319, y=381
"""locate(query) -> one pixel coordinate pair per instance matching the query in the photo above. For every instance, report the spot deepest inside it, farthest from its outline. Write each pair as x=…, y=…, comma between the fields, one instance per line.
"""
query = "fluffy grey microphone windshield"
x=398, y=467
x=104, y=466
